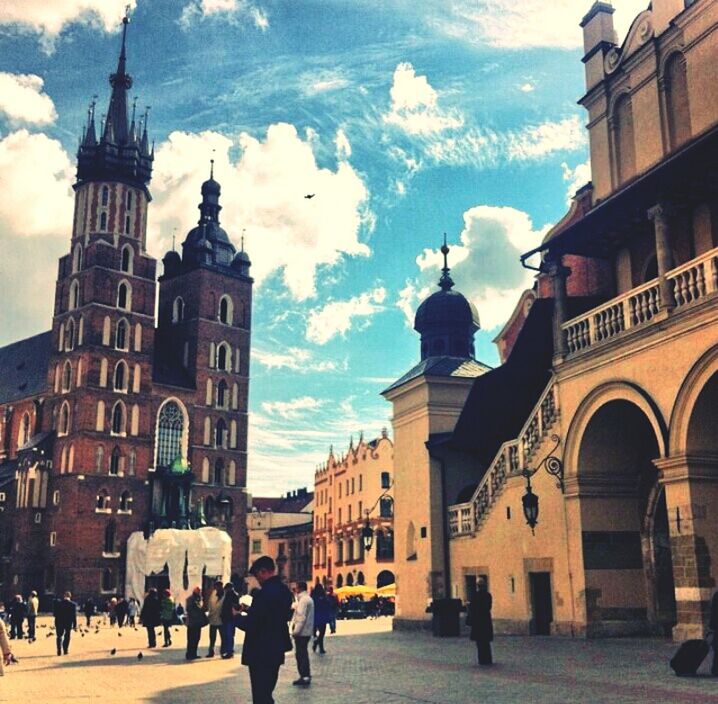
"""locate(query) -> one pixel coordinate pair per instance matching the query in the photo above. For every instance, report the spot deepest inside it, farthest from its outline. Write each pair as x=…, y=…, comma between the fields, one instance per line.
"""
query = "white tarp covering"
x=204, y=549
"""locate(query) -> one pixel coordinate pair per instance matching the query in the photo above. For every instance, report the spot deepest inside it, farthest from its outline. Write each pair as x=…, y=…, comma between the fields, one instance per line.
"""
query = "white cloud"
x=538, y=141
x=414, y=105
x=527, y=87
x=294, y=408
x=338, y=317
x=22, y=99
x=263, y=192
x=507, y=24
x=323, y=82
x=35, y=220
x=576, y=178
x=484, y=266
x=49, y=18
x=36, y=175
x=344, y=149
x=233, y=11
x=296, y=359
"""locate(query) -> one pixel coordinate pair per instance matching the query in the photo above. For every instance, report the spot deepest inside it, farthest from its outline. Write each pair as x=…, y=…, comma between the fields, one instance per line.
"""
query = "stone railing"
x=511, y=459
x=691, y=282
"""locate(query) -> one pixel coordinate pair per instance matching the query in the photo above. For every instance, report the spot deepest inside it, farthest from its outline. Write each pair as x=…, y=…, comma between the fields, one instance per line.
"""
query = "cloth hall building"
x=115, y=421
x=609, y=369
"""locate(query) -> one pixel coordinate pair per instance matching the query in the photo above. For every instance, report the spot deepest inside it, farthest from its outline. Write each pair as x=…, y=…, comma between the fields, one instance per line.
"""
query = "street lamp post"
x=530, y=501
x=367, y=534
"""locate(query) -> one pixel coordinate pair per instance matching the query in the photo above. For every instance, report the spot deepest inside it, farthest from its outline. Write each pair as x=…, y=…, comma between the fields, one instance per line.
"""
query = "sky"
x=407, y=119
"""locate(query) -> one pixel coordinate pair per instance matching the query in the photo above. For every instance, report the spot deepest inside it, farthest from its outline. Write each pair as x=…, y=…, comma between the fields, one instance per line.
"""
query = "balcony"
x=690, y=283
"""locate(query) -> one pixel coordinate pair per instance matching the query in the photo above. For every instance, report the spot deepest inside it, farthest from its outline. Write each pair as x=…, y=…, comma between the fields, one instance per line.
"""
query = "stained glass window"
x=169, y=434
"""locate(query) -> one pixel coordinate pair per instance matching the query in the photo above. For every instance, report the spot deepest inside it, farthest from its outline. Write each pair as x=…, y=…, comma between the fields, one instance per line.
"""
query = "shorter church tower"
x=427, y=402
x=203, y=343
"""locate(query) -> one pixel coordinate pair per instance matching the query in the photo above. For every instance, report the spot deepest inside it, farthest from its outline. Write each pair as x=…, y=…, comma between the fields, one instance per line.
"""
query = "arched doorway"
x=624, y=523
x=383, y=578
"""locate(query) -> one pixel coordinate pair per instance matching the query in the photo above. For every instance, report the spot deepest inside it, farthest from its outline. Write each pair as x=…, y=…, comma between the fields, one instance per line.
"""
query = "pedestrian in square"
x=230, y=604
x=322, y=615
x=33, y=606
x=214, y=615
x=196, y=621
x=150, y=616
x=167, y=617
x=333, y=609
x=132, y=609
x=18, y=611
x=5, y=651
x=303, y=630
x=88, y=608
x=479, y=618
x=65, y=613
x=266, y=628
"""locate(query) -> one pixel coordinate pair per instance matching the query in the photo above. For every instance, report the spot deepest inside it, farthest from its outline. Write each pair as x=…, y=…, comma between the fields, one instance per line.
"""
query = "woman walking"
x=167, y=617
x=482, y=626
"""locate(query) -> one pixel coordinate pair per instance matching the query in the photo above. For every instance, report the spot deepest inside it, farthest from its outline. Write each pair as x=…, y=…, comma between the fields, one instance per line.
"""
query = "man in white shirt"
x=302, y=630
x=33, y=606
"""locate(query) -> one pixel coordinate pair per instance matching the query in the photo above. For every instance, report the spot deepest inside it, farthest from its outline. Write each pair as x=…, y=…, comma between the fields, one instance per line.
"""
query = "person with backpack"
x=167, y=617
x=150, y=616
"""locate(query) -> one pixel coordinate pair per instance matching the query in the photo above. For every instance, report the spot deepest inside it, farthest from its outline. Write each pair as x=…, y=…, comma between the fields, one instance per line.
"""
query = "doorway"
x=541, y=605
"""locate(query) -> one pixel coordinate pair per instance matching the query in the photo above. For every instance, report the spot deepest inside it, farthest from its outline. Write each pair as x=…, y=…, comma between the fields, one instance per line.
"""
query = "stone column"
x=691, y=484
x=664, y=259
x=559, y=273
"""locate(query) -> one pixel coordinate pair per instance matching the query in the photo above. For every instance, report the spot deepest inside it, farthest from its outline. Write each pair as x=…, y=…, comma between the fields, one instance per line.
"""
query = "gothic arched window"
x=121, y=375
x=122, y=336
x=125, y=501
x=224, y=357
x=127, y=257
x=225, y=310
x=105, y=195
x=178, y=310
x=74, y=300
x=171, y=428
x=77, y=258
x=222, y=394
x=110, y=537
x=119, y=419
x=99, y=458
x=220, y=434
x=103, y=221
x=219, y=472
x=124, y=296
x=64, y=424
x=24, y=430
x=103, y=501
x=66, y=376
x=108, y=581
x=70, y=335
x=115, y=459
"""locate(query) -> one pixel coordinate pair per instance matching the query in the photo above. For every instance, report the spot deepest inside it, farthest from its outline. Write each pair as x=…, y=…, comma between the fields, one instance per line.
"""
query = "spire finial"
x=134, y=109
x=211, y=168
x=446, y=283
x=244, y=229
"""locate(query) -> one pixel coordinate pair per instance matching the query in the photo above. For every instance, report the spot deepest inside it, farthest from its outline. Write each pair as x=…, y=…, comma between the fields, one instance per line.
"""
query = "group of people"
x=217, y=612
x=19, y=611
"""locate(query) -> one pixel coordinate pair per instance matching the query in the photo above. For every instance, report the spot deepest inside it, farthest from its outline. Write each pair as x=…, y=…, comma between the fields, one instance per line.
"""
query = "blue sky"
x=408, y=119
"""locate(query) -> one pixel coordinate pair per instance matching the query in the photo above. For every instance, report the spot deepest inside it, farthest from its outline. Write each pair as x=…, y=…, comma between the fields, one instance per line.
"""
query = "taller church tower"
x=100, y=371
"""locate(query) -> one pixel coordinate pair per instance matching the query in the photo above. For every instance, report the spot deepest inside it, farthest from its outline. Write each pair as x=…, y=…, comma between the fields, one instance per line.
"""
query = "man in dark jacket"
x=230, y=603
x=18, y=612
x=266, y=629
x=196, y=621
x=150, y=616
x=479, y=618
x=65, y=613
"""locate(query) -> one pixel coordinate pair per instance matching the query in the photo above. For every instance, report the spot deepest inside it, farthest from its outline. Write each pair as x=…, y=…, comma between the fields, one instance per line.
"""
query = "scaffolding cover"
x=182, y=555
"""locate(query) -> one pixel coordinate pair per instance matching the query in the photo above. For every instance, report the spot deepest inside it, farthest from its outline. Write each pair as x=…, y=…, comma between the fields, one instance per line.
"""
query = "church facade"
x=580, y=477
x=118, y=420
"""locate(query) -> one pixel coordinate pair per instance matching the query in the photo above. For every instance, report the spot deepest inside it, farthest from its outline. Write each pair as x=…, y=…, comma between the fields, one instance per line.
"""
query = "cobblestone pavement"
x=365, y=663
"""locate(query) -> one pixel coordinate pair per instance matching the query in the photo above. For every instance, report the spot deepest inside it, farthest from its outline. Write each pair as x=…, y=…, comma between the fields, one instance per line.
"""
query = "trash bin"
x=445, y=621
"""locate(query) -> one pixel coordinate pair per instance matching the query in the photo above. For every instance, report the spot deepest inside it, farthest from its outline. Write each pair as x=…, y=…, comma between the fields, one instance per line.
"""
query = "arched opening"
x=103, y=221
x=66, y=376
x=224, y=357
x=210, y=509
x=77, y=258
x=225, y=310
x=220, y=434
x=121, y=376
x=219, y=472
x=103, y=501
x=626, y=553
x=119, y=418
x=178, y=310
x=222, y=394
x=124, y=296
x=678, y=109
x=64, y=424
x=383, y=578
x=74, y=301
x=108, y=580
x=350, y=580
x=110, y=537
x=99, y=458
x=703, y=422
x=127, y=259
x=360, y=579
x=340, y=581
x=105, y=195
x=125, y=501
x=625, y=148
x=70, y=335
x=115, y=459
x=24, y=430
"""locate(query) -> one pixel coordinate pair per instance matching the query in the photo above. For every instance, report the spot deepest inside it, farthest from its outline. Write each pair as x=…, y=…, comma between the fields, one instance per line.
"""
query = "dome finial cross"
x=446, y=283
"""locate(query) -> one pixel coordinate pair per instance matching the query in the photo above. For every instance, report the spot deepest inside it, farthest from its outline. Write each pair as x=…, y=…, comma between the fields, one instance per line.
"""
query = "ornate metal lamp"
x=367, y=534
x=530, y=501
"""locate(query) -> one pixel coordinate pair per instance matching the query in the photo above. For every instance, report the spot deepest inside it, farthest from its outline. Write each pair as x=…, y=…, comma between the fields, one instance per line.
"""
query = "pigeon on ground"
x=113, y=651
x=140, y=656
x=119, y=635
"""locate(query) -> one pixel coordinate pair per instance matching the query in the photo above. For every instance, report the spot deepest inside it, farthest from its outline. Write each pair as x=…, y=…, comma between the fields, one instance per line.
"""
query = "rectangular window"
x=340, y=490
x=360, y=482
x=352, y=485
x=127, y=224
x=340, y=516
x=350, y=512
x=53, y=539
x=385, y=480
x=256, y=546
x=360, y=509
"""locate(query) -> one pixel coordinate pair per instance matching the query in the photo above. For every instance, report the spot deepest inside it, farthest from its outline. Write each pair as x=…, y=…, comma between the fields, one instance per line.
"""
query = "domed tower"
x=446, y=320
x=203, y=346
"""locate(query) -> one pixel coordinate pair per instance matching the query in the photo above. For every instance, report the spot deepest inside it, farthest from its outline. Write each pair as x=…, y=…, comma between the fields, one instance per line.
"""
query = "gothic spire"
x=116, y=129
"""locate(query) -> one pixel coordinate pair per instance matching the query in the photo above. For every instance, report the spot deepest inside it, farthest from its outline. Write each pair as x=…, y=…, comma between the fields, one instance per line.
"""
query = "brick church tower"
x=110, y=426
